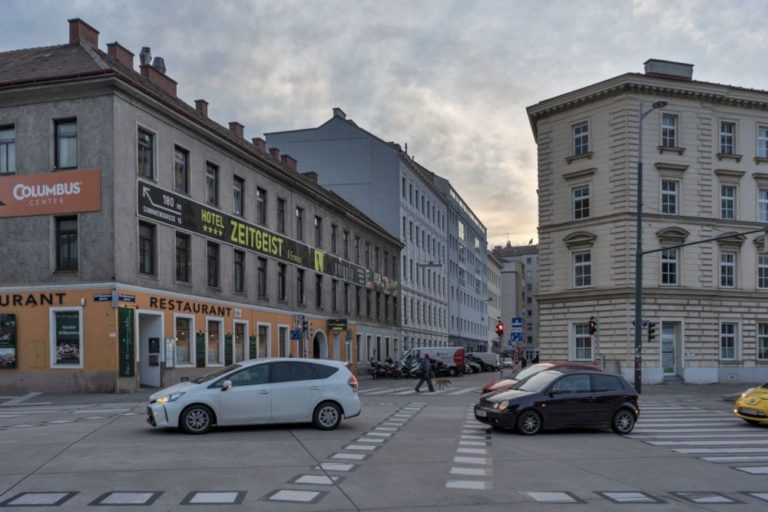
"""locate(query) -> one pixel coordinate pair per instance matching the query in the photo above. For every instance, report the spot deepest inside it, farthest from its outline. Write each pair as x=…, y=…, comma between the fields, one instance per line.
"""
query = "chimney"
x=81, y=32
x=311, y=176
x=669, y=69
x=164, y=82
x=236, y=129
x=159, y=64
x=261, y=144
x=275, y=152
x=121, y=54
x=289, y=163
x=202, y=108
x=337, y=112
x=145, y=57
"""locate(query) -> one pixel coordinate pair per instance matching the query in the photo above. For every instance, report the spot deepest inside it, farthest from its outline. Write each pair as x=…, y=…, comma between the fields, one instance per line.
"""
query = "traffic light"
x=305, y=324
x=592, y=326
x=500, y=328
x=651, y=332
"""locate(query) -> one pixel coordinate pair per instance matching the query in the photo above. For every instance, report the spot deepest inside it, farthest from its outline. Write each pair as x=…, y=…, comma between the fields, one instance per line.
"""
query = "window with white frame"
x=66, y=337
x=284, y=347
x=727, y=202
x=263, y=341
x=669, y=130
x=580, y=202
x=728, y=341
x=215, y=352
x=240, y=340
x=762, y=205
x=581, y=138
x=582, y=269
x=184, y=329
x=762, y=341
x=727, y=137
x=669, y=197
x=582, y=342
x=762, y=271
x=762, y=141
x=669, y=267
x=727, y=270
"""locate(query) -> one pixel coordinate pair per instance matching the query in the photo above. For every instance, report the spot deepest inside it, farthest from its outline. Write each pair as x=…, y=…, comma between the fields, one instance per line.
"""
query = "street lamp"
x=639, y=249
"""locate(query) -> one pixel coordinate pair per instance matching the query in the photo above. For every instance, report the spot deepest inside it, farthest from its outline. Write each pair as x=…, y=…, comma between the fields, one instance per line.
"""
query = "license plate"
x=751, y=412
x=480, y=413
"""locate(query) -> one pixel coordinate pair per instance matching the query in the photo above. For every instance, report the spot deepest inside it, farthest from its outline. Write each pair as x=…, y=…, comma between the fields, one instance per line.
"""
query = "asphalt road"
x=407, y=451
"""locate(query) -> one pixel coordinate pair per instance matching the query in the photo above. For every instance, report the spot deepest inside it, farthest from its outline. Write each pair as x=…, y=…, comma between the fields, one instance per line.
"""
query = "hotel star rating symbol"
x=213, y=230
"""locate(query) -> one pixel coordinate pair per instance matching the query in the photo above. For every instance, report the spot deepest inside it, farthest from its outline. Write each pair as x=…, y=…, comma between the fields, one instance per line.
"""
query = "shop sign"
x=337, y=325
x=68, y=337
x=31, y=299
x=7, y=341
x=178, y=211
x=75, y=191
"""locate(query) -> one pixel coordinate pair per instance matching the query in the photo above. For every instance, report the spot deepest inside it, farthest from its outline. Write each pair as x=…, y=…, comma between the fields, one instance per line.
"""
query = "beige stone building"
x=705, y=161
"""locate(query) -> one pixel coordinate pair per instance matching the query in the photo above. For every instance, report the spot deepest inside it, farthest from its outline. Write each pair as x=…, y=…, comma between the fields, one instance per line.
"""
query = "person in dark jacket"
x=425, y=374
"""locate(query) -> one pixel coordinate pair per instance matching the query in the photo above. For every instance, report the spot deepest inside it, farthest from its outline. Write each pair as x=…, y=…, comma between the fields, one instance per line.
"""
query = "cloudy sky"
x=449, y=78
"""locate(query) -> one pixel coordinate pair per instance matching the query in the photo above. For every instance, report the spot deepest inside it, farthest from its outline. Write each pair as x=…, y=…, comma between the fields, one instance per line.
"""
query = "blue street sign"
x=517, y=322
x=516, y=336
x=296, y=334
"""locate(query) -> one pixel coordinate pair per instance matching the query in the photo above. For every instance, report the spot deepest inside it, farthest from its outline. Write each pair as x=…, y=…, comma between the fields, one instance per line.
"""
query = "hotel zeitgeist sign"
x=174, y=210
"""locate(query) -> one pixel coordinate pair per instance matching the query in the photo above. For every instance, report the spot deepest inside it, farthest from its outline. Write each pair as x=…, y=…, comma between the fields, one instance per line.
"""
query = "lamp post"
x=639, y=249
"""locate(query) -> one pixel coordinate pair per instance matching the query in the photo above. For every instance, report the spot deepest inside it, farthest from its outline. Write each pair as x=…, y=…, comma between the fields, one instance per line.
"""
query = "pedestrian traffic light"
x=500, y=328
x=651, y=332
x=305, y=324
x=592, y=326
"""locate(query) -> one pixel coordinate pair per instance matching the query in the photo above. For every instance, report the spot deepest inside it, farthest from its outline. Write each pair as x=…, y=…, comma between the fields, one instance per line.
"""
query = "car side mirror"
x=226, y=385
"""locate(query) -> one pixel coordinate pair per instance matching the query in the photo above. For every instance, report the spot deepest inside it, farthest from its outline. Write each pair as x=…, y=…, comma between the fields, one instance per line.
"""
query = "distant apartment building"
x=494, y=301
x=705, y=156
x=519, y=275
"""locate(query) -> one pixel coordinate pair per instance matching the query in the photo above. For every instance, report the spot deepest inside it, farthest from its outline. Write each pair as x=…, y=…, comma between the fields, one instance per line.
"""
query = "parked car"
x=562, y=399
x=286, y=390
x=472, y=367
x=752, y=405
x=503, y=384
x=507, y=362
x=488, y=361
x=451, y=357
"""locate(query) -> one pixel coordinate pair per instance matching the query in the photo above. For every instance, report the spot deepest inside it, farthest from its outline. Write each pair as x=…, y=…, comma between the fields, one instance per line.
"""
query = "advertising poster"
x=7, y=341
x=68, y=337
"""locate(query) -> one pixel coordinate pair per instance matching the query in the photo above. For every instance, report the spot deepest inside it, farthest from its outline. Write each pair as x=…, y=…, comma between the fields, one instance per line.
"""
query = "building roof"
x=510, y=250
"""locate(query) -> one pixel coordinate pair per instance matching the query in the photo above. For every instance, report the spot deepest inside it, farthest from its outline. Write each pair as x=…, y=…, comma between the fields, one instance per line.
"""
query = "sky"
x=450, y=78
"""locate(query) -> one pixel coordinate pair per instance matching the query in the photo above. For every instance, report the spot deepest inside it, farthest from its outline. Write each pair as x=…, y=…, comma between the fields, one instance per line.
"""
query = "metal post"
x=639, y=260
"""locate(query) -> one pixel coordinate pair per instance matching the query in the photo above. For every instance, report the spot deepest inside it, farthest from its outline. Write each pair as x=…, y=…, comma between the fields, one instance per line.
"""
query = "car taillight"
x=352, y=383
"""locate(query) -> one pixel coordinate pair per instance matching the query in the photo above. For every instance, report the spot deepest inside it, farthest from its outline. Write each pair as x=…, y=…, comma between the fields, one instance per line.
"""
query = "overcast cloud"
x=449, y=78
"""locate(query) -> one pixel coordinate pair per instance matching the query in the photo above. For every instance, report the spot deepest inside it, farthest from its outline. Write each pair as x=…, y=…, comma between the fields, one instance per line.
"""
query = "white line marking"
x=466, y=484
x=462, y=391
x=18, y=400
x=723, y=442
x=720, y=450
x=756, y=458
x=469, y=471
x=754, y=470
x=469, y=460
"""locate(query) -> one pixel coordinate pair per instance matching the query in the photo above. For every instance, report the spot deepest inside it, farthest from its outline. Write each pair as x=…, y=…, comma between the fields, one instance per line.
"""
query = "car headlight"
x=746, y=392
x=504, y=405
x=170, y=398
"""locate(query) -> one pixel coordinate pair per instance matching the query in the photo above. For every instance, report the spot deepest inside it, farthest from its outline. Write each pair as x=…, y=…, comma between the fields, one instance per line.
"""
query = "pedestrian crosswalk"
x=410, y=390
x=713, y=436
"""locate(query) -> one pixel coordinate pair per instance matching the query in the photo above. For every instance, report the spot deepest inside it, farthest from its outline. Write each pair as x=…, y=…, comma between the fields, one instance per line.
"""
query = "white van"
x=490, y=360
x=452, y=357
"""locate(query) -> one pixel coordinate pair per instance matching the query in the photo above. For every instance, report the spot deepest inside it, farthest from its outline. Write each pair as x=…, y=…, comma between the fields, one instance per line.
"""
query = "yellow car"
x=752, y=405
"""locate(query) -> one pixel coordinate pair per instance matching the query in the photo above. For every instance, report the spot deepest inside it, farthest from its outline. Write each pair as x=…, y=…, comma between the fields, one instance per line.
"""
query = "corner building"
x=705, y=175
x=146, y=244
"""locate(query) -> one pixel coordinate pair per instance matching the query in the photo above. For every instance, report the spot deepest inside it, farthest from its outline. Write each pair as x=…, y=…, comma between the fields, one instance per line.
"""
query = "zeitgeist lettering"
x=249, y=236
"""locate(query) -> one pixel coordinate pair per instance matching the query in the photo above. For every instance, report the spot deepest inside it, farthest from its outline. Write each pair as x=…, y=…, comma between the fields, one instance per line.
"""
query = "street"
x=407, y=451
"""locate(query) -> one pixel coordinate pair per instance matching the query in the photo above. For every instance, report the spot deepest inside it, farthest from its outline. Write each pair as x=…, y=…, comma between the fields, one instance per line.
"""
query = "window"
x=7, y=149
x=357, y=301
x=762, y=271
x=66, y=335
x=367, y=255
x=762, y=141
x=727, y=270
x=334, y=233
x=345, y=242
x=261, y=206
x=334, y=295
x=239, y=271
x=214, y=342
x=602, y=383
x=239, y=341
x=669, y=267
x=252, y=376
x=147, y=245
x=66, y=243
x=261, y=278
x=346, y=298
x=300, y=286
x=237, y=196
x=581, y=202
x=669, y=197
x=728, y=341
x=727, y=202
x=376, y=259
x=762, y=342
x=281, y=215
x=211, y=184
x=727, y=134
x=66, y=144
x=762, y=205
x=213, y=264
x=180, y=170
x=183, y=335
x=318, y=291
x=283, y=342
x=581, y=138
x=299, y=223
x=318, y=231
x=262, y=340
x=403, y=179
x=281, y=270
x=669, y=130
x=572, y=384
x=582, y=342
x=292, y=372
x=357, y=250
x=183, y=257
x=582, y=269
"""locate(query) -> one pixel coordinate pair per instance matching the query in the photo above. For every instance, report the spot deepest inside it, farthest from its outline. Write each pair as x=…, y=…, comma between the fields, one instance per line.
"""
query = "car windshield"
x=538, y=382
x=524, y=374
x=215, y=374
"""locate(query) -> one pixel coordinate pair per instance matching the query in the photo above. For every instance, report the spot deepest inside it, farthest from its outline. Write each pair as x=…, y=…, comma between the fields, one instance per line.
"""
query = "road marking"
x=754, y=470
x=368, y=391
x=469, y=460
x=213, y=498
x=127, y=498
x=472, y=451
x=672, y=430
x=756, y=458
x=462, y=391
x=378, y=434
x=367, y=440
x=315, y=480
x=629, y=497
x=363, y=447
x=720, y=450
x=705, y=497
x=295, y=496
x=335, y=466
x=759, y=495
x=466, y=484
x=552, y=497
x=38, y=498
x=469, y=471
x=19, y=399
x=349, y=456
x=691, y=436
x=723, y=442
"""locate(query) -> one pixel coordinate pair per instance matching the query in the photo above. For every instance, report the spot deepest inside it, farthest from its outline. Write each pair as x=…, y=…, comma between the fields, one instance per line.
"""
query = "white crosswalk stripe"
x=409, y=390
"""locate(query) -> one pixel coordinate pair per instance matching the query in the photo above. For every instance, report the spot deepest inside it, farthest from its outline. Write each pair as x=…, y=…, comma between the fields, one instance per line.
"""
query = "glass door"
x=668, y=345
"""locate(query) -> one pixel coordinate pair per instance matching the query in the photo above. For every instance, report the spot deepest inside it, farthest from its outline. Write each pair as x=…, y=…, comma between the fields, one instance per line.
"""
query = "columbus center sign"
x=70, y=191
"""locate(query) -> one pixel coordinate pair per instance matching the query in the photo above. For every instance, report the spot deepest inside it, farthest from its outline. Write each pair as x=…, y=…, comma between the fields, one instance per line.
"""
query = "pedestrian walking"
x=425, y=374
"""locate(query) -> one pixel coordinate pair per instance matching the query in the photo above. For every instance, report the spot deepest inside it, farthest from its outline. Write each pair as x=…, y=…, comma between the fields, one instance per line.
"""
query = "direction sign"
x=517, y=322
x=296, y=334
x=517, y=336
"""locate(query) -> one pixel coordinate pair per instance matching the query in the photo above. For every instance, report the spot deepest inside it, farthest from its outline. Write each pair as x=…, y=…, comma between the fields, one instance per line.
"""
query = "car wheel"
x=529, y=423
x=452, y=371
x=197, y=419
x=327, y=416
x=623, y=421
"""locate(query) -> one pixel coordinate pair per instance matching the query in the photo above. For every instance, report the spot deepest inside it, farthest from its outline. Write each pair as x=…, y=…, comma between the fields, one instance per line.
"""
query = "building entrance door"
x=670, y=349
x=150, y=333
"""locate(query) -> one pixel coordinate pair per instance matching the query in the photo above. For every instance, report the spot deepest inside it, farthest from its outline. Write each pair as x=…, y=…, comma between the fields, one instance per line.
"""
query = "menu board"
x=7, y=341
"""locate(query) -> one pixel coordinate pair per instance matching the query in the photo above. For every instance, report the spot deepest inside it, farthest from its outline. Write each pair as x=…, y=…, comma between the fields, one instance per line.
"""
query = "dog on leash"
x=442, y=382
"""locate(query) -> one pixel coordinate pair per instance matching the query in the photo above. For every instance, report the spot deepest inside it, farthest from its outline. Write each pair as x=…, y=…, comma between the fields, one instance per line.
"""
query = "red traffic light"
x=499, y=328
